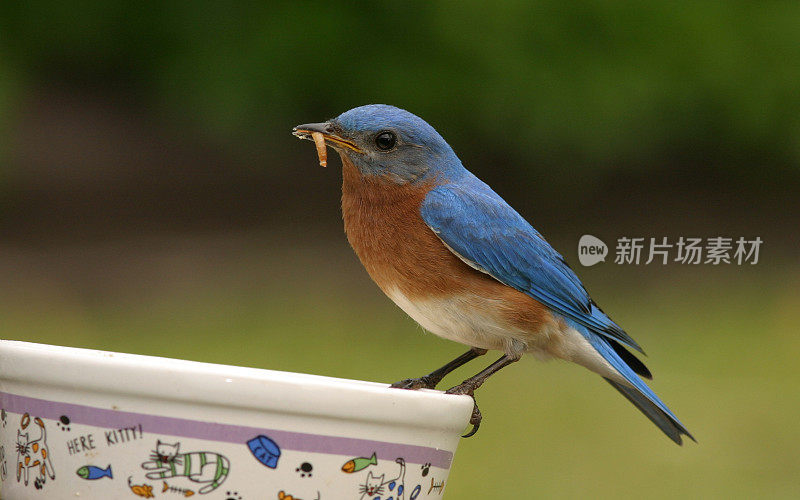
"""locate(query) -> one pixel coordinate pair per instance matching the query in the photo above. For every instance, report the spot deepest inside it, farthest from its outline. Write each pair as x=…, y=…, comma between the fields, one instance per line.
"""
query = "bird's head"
x=387, y=142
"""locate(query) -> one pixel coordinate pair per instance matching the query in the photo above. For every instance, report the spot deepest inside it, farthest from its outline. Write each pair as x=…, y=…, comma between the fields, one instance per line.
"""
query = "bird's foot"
x=476, y=418
x=413, y=384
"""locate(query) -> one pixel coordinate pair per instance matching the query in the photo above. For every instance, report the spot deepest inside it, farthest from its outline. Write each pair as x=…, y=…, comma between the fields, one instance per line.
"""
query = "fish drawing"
x=91, y=472
x=359, y=463
x=174, y=489
x=142, y=490
x=439, y=487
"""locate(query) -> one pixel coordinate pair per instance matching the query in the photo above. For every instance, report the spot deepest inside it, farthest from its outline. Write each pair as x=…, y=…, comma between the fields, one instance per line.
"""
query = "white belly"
x=457, y=319
x=471, y=320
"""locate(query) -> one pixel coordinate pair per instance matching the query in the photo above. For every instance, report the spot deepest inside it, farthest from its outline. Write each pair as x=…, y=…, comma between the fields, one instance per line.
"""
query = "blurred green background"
x=152, y=200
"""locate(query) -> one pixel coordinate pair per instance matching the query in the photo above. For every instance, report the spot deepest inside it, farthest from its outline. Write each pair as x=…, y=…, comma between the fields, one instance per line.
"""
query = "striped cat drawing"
x=204, y=467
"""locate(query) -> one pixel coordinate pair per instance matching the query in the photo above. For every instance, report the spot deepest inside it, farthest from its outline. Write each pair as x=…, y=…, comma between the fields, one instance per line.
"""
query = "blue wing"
x=482, y=229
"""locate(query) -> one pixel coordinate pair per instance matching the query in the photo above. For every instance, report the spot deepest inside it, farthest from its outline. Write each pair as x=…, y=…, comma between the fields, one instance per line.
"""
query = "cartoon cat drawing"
x=199, y=466
x=33, y=454
x=375, y=487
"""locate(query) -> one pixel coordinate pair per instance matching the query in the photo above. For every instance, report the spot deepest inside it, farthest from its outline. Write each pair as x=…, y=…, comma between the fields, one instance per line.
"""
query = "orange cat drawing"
x=33, y=453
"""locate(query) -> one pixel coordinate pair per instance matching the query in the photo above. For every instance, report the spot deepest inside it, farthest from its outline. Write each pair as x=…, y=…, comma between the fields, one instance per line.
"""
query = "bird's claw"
x=476, y=418
x=462, y=389
x=414, y=384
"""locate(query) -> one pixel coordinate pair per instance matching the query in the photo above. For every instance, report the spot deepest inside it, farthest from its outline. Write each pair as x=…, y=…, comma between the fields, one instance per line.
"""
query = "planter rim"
x=167, y=379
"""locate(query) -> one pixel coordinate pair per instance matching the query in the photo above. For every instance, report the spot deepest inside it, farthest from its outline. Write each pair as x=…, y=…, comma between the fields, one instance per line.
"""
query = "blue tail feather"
x=639, y=394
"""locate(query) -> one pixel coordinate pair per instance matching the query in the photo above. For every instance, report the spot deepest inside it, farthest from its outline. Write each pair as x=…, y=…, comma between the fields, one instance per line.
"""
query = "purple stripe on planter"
x=156, y=424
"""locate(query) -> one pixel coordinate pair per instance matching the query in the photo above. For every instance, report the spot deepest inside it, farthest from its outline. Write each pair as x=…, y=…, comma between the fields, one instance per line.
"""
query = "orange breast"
x=384, y=226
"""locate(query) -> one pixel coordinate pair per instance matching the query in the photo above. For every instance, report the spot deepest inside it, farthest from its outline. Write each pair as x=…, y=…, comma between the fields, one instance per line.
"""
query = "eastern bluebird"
x=465, y=265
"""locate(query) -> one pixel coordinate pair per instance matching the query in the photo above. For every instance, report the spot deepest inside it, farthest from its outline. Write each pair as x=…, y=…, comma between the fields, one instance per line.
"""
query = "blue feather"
x=639, y=394
x=480, y=227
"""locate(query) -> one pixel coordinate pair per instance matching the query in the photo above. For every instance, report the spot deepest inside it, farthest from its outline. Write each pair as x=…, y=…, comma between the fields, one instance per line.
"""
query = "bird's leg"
x=430, y=380
x=468, y=387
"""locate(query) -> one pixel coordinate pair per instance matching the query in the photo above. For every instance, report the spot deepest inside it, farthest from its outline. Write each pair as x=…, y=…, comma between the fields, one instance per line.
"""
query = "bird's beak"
x=328, y=133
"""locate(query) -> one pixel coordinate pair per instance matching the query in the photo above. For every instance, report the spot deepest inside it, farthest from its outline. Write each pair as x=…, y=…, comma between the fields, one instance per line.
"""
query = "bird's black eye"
x=385, y=140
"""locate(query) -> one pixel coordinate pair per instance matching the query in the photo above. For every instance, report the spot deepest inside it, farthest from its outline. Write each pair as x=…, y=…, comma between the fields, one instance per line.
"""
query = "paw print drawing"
x=426, y=468
x=304, y=469
x=63, y=423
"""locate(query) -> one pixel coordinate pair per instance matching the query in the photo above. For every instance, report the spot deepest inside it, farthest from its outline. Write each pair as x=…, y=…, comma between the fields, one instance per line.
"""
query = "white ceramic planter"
x=78, y=423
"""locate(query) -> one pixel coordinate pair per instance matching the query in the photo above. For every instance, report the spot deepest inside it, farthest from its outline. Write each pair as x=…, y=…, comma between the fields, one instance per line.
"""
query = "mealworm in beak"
x=322, y=151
